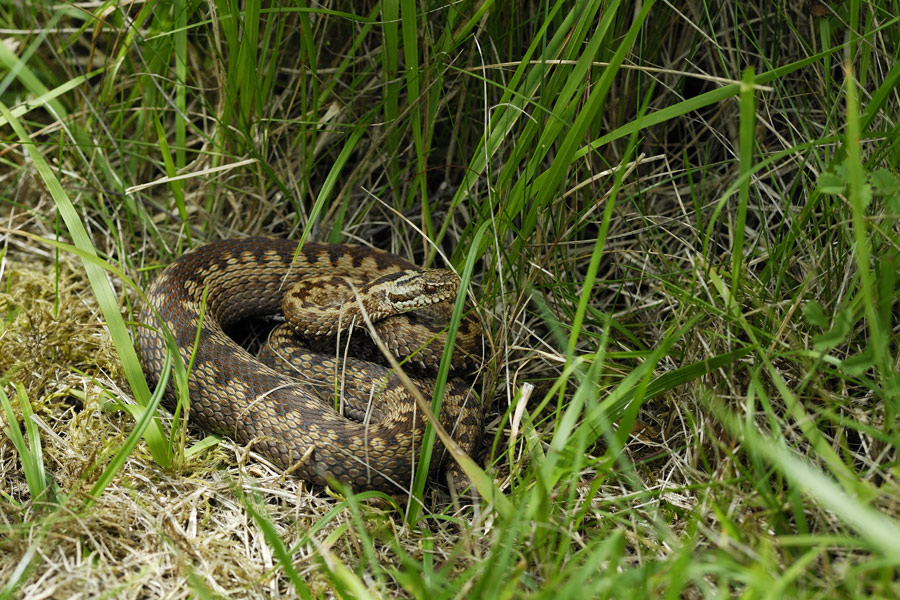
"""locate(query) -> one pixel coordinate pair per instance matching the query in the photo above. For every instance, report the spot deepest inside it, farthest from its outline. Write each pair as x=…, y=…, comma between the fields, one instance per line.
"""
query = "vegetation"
x=678, y=221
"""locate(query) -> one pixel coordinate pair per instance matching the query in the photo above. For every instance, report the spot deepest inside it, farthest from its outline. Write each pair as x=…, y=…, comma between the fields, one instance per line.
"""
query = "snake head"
x=413, y=289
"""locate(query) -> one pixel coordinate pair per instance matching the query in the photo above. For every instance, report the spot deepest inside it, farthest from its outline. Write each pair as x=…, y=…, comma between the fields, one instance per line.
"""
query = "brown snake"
x=290, y=412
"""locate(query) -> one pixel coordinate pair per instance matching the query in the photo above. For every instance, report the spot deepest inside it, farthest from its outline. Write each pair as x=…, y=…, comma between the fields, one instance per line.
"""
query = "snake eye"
x=429, y=288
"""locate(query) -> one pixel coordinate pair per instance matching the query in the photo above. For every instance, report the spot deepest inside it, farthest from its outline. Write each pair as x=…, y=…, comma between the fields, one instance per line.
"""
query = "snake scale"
x=286, y=406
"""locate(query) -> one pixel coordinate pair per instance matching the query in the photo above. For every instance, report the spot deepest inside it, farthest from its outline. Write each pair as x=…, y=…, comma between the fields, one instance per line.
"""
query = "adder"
x=372, y=441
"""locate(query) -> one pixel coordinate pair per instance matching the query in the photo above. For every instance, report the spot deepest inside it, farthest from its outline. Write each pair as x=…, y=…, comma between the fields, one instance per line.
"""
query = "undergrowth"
x=680, y=224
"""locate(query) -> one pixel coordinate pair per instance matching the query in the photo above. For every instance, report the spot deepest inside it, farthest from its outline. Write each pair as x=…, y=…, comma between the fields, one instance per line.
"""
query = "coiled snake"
x=375, y=442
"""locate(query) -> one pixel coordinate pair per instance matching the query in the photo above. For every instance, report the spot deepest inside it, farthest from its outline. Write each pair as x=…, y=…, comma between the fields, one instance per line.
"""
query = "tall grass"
x=678, y=225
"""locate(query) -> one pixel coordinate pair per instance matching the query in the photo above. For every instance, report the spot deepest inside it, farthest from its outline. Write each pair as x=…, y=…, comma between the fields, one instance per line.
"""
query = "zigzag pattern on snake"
x=375, y=443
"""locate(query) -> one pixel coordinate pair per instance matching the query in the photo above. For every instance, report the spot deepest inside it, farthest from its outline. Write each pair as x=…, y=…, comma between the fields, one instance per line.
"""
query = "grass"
x=679, y=227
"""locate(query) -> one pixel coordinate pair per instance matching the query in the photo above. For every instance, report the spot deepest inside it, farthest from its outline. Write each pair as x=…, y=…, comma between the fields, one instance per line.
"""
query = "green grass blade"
x=145, y=417
x=881, y=531
x=30, y=455
x=274, y=540
x=483, y=484
x=859, y=198
x=31, y=82
x=106, y=299
x=50, y=96
x=747, y=137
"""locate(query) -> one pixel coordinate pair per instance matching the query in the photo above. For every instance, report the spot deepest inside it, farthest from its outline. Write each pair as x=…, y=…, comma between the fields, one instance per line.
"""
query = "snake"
x=315, y=400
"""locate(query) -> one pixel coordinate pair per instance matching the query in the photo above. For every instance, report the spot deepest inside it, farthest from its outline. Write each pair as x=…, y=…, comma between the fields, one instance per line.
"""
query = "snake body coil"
x=374, y=444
